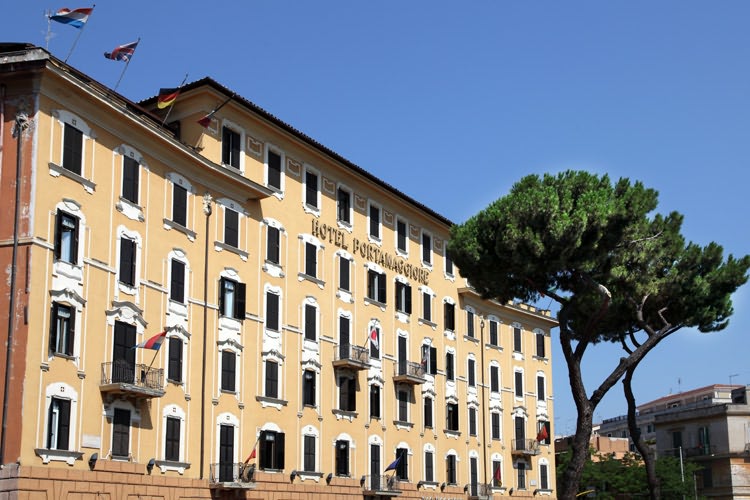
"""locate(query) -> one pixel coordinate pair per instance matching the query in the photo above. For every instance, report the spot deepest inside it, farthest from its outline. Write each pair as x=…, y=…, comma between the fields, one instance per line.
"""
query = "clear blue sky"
x=452, y=102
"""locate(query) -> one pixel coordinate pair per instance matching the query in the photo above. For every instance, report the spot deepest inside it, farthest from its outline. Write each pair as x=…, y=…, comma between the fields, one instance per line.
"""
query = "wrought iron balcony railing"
x=232, y=475
x=409, y=372
x=128, y=378
x=351, y=356
x=525, y=447
x=381, y=485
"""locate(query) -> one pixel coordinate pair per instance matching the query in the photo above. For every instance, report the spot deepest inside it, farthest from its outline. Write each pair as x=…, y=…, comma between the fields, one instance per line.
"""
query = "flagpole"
x=75, y=42
x=127, y=63
x=172, y=105
x=49, y=30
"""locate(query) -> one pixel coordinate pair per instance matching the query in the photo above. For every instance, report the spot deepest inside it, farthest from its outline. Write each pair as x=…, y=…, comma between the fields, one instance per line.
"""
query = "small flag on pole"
x=251, y=456
x=122, y=52
x=154, y=342
x=393, y=465
x=374, y=338
x=206, y=120
x=76, y=17
x=498, y=476
x=543, y=435
x=167, y=97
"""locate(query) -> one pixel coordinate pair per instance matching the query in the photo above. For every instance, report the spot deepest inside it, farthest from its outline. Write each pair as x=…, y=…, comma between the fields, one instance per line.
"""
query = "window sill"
x=272, y=402
x=452, y=434
x=306, y=277
x=57, y=170
x=540, y=358
x=493, y=346
x=471, y=339
x=169, y=224
x=67, y=456
x=345, y=414
x=166, y=465
x=400, y=424
x=374, y=302
x=219, y=246
x=130, y=209
x=424, y=321
x=274, y=269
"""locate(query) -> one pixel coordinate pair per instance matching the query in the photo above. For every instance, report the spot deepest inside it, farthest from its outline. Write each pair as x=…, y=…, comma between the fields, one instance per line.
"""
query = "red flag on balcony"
x=154, y=342
x=543, y=435
x=251, y=456
x=498, y=476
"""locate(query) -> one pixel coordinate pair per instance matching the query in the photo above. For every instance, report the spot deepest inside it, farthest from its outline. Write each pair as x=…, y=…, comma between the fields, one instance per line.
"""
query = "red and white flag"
x=374, y=338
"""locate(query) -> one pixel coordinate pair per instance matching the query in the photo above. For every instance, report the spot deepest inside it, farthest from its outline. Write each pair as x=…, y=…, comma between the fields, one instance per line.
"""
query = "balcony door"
x=473, y=474
x=375, y=467
x=402, y=355
x=520, y=433
x=344, y=347
x=226, y=453
x=123, y=353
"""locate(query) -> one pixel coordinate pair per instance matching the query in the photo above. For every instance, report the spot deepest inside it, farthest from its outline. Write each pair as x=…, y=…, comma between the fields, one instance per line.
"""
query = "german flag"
x=167, y=97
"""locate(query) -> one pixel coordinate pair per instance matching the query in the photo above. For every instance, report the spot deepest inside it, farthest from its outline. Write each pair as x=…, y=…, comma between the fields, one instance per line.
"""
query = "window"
x=448, y=263
x=72, y=149
x=517, y=346
x=274, y=169
x=376, y=286
x=497, y=474
x=311, y=260
x=177, y=282
x=127, y=261
x=704, y=441
x=272, y=311
x=174, y=367
x=231, y=228
x=494, y=378
x=130, y=179
x=543, y=434
x=272, y=245
x=450, y=373
x=375, y=401
x=519, y=384
x=311, y=321
x=403, y=297
x=470, y=323
x=450, y=469
x=58, y=424
x=428, y=412
x=427, y=306
x=449, y=316
x=172, y=440
x=540, y=351
x=429, y=464
x=309, y=460
x=374, y=342
x=179, y=205
x=347, y=393
x=121, y=434
x=344, y=272
x=540, y=393
x=495, y=425
x=62, y=329
x=342, y=457
x=429, y=359
x=401, y=236
x=231, y=145
x=472, y=421
x=344, y=206
x=66, y=238
x=271, y=446
x=543, y=476
x=231, y=298
x=272, y=379
x=494, y=337
x=470, y=375
x=374, y=221
x=451, y=417
x=308, y=388
x=403, y=405
x=402, y=469
x=228, y=366
x=311, y=189
x=426, y=248
x=521, y=475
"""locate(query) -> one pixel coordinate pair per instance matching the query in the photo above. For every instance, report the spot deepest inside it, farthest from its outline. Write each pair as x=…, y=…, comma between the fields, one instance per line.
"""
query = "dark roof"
x=254, y=108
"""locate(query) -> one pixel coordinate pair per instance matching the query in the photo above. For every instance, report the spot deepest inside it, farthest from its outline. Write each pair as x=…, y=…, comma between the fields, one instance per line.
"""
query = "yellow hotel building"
x=315, y=338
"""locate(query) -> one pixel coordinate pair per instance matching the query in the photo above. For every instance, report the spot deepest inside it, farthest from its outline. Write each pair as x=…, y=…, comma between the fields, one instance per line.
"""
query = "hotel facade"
x=307, y=329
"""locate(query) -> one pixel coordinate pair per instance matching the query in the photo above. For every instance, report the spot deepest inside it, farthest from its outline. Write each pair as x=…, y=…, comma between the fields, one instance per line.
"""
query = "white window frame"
x=277, y=192
x=241, y=131
x=310, y=209
x=405, y=252
x=346, y=225
x=377, y=239
x=426, y=263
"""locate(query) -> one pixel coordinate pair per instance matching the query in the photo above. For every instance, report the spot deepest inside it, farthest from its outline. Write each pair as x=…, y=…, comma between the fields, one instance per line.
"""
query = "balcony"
x=143, y=381
x=228, y=475
x=351, y=356
x=380, y=485
x=479, y=491
x=409, y=372
x=525, y=447
x=691, y=452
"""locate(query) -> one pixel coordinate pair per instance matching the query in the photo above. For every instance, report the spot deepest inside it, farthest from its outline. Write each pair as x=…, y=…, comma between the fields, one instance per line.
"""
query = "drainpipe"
x=207, y=212
x=484, y=403
x=20, y=125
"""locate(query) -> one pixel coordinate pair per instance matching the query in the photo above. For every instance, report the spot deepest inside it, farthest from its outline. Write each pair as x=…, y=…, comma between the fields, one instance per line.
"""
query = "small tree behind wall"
x=617, y=270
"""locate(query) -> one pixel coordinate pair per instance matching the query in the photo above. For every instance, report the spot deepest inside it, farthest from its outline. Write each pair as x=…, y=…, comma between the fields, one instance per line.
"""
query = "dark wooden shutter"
x=172, y=440
x=272, y=311
x=72, y=149
x=121, y=433
x=310, y=333
x=130, y=179
x=344, y=273
x=381, y=288
x=239, y=300
x=540, y=345
x=407, y=292
x=179, y=205
x=273, y=245
x=222, y=292
x=127, y=261
x=177, y=288
x=433, y=360
x=228, y=364
x=272, y=379
x=279, y=458
x=231, y=227
x=274, y=169
x=175, y=360
x=311, y=261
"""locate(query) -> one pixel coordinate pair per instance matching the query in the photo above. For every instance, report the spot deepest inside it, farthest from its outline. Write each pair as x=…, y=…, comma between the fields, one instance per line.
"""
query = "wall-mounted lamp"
x=362, y=480
x=292, y=476
x=92, y=460
x=536, y=491
x=466, y=488
x=329, y=477
x=510, y=491
x=442, y=486
x=420, y=484
x=150, y=465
